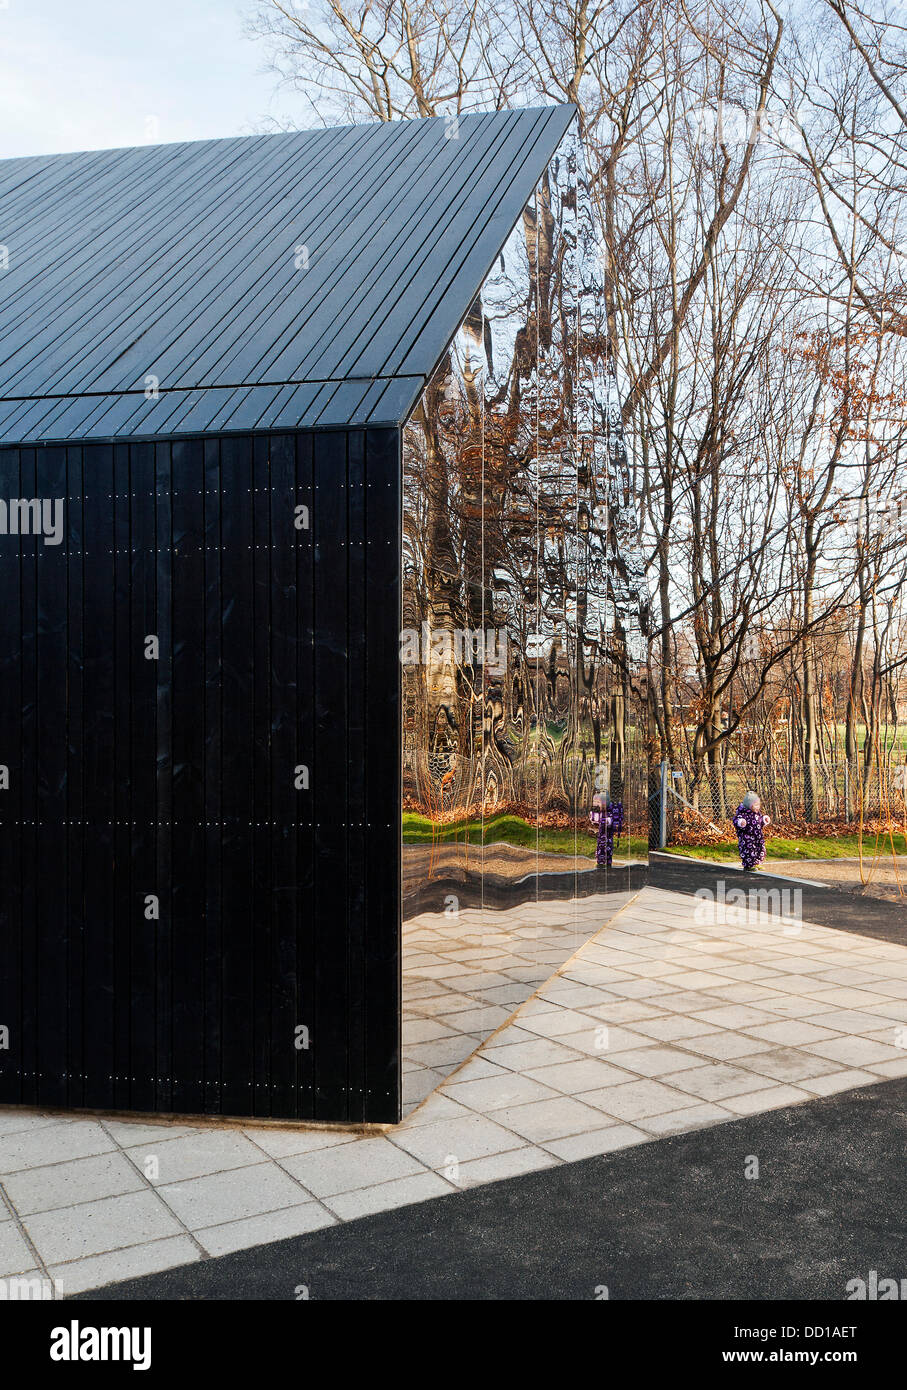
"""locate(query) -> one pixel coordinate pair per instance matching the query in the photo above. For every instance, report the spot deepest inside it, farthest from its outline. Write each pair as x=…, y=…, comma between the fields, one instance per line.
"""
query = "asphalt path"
x=679, y=1218
x=683, y=1217
x=826, y=906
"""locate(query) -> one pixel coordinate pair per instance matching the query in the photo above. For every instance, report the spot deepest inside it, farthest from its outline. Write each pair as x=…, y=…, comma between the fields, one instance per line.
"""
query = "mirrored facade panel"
x=523, y=742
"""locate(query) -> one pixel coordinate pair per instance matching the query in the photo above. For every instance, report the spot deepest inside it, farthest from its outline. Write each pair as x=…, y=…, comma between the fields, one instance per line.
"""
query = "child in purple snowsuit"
x=608, y=817
x=750, y=823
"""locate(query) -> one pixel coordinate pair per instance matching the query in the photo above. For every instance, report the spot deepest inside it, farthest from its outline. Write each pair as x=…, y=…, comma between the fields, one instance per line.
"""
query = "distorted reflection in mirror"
x=521, y=652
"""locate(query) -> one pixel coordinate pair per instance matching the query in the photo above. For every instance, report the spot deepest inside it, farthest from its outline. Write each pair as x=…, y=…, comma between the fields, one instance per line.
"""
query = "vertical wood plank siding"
x=278, y=908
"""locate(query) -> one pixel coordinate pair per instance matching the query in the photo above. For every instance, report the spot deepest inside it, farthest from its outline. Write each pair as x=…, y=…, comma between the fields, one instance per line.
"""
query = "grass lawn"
x=840, y=847
x=417, y=830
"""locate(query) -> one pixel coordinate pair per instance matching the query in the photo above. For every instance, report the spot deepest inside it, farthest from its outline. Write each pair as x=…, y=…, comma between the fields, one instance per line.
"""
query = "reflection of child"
x=750, y=823
x=608, y=818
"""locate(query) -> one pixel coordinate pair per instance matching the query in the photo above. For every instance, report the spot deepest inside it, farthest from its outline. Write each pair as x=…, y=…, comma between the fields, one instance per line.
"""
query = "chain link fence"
x=695, y=804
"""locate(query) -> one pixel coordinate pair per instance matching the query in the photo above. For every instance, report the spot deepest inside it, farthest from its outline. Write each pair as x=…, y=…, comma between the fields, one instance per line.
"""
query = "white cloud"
x=91, y=75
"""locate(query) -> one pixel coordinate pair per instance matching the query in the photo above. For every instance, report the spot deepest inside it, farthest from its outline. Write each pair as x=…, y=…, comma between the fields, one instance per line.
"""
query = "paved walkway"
x=464, y=975
x=827, y=906
x=677, y=1015
x=687, y=1217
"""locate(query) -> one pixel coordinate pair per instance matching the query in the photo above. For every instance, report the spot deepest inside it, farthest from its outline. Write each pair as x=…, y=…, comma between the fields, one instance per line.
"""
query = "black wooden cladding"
x=279, y=908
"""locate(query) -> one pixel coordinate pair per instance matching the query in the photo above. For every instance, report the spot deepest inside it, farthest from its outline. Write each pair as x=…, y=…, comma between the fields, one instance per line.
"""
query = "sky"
x=91, y=74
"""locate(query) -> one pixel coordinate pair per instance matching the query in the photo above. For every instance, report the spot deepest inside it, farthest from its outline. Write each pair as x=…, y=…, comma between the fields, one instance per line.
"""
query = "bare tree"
x=391, y=59
x=748, y=179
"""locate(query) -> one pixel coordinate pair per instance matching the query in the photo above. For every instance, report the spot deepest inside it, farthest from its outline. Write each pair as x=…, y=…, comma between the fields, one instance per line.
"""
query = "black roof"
x=274, y=281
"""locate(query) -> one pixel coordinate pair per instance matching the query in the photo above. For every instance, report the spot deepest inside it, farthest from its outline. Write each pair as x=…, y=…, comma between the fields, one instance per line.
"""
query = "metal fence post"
x=663, y=806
